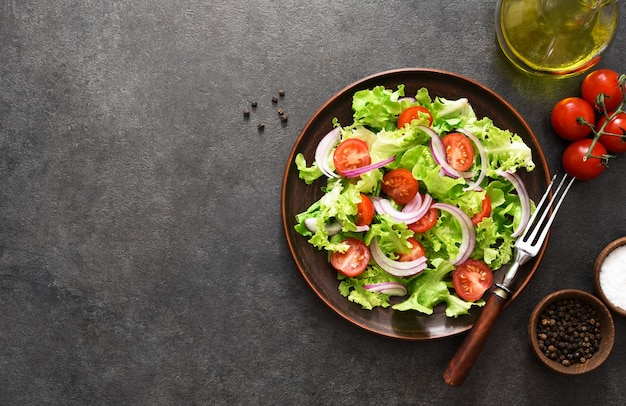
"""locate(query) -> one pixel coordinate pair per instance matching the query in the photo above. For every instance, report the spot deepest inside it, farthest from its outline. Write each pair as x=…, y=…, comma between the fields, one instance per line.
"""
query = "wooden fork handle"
x=460, y=365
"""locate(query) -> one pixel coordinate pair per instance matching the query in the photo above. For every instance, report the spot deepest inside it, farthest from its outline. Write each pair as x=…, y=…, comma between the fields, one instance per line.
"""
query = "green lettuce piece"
x=505, y=150
x=307, y=173
x=338, y=204
x=391, y=235
x=429, y=288
x=377, y=108
x=352, y=288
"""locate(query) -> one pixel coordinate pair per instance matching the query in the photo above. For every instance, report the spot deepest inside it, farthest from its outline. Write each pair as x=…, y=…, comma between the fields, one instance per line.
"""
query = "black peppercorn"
x=283, y=118
x=281, y=92
x=253, y=104
x=261, y=126
x=274, y=99
x=568, y=332
x=246, y=112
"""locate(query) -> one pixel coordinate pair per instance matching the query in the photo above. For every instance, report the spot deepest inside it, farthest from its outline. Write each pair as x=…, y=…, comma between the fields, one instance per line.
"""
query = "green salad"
x=422, y=201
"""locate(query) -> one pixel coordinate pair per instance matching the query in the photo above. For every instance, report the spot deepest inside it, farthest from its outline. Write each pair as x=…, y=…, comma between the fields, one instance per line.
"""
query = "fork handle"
x=460, y=365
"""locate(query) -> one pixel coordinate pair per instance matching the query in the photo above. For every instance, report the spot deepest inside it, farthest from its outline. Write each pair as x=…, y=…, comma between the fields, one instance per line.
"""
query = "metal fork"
x=527, y=246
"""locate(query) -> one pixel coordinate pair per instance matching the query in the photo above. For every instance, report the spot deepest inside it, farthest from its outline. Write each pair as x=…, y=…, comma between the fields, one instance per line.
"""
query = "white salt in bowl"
x=610, y=276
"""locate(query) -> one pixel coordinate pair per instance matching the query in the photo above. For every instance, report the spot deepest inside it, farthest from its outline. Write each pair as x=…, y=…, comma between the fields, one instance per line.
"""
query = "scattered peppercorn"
x=568, y=332
x=281, y=112
x=261, y=126
x=246, y=112
x=253, y=104
x=283, y=118
x=274, y=99
x=281, y=92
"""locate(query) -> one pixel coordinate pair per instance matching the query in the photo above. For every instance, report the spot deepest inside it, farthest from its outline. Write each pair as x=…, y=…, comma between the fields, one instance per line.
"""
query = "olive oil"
x=560, y=37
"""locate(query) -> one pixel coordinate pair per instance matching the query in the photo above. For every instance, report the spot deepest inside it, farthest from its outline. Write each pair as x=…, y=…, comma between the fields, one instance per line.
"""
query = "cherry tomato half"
x=604, y=81
x=427, y=221
x=417, y=251
x=412, y=113
x=352, y=262
x=485, y=211
x=400, y=185
x=611, y=135
x=459, y=151
x=471, y=279
x=365, y=211
x=351, y=153
x=564, y=118
x=574, y=159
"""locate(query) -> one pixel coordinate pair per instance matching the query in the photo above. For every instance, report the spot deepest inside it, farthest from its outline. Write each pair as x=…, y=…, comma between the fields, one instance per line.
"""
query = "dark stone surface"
x=142, y=257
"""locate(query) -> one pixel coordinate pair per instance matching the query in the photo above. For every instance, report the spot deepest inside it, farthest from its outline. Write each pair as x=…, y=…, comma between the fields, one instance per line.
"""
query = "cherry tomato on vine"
x=471, y=279
x=417, y=251
x=459, y=151
x=604, y=81
x=352, y=262
x=365, y=211
x=351, y=153
x=485, y=211
x=577, y=166
x=564, y=118
x=610, y=137
x=427, y=221
x=400, y=185
x=412, y=113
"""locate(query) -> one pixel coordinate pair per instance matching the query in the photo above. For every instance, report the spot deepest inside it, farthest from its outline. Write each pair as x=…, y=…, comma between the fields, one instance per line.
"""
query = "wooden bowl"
x=600, y=261
x=602, y=314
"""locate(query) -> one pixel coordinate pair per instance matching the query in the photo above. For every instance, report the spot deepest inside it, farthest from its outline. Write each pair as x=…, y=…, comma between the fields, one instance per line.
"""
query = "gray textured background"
x=142, y=258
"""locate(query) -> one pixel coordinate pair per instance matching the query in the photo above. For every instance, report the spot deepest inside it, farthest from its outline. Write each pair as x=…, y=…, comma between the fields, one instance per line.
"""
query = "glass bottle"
x=558, y=37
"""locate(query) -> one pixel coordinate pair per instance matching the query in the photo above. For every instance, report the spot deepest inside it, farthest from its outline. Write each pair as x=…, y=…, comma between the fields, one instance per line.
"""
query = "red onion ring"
x=353, y=173
x=439, y=153
x=388, y=288
x=473, y=185
x=383, y=206
x=396, y=268
x=518, y=184
x=323, y=151
x=468, y=233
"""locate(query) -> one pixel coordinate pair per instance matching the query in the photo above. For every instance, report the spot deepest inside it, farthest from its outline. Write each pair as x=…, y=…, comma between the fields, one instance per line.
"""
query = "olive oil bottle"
x=558, y=37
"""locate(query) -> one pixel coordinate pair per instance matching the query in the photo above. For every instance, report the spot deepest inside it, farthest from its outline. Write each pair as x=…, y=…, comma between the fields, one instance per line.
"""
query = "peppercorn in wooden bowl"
x=571, y=331
x=609, y=275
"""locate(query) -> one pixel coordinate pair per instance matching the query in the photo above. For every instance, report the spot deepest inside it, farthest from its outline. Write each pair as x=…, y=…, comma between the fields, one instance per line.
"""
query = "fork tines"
x=539, y=223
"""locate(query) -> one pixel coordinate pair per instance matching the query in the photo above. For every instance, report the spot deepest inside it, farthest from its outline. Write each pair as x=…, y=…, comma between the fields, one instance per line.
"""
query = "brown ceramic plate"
x=297, y=197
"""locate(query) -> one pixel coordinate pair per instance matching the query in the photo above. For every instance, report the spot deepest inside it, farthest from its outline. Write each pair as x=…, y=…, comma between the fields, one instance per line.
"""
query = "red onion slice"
x=518, y=184
x=388, y=288
x=468, y=233
x=323, y=151
x=473, y=185
x=353, y=173
x=439, y=153
x=396, y=268
x=384, y=206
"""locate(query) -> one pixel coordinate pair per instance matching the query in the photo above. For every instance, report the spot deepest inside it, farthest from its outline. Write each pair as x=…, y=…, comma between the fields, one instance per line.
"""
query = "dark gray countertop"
x=142, y=255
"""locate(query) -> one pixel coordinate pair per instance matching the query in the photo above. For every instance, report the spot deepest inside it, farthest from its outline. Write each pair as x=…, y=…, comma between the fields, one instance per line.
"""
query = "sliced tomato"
x=400, y=185
x=471, y=279
x=459, y=151
x=352, y=262
x=485, y=211
x=365, y=211
x=350, y=154
x=417, y=251
x=412, y=113
x=426, y=222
